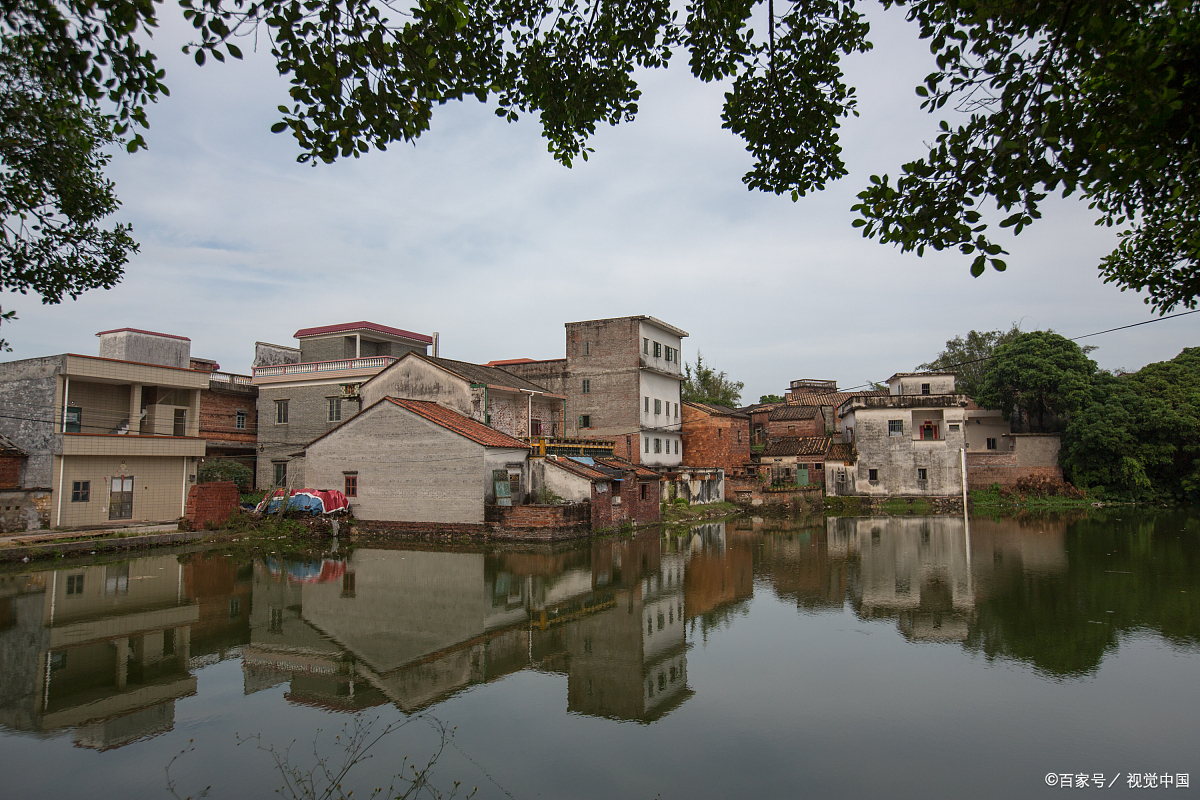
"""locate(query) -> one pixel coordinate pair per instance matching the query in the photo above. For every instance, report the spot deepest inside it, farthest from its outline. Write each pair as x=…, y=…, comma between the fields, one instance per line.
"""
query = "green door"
x=503, y=487
x=802, y=477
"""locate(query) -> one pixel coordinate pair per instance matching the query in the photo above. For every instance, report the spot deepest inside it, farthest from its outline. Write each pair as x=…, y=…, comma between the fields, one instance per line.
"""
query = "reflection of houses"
x=917, y=569
x=114, y=438
x=720, y=569
x=222, y=590
x=797, y=561
x=101, y=649
x=909, y=442
x=414, y=626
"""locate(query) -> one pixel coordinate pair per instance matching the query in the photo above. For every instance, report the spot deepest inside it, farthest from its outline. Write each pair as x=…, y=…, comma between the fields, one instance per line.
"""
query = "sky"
x=477, y=233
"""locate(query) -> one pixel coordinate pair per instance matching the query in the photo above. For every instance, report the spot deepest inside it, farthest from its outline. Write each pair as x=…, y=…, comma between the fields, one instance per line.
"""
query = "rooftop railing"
x=229, y=377
x=277, y=370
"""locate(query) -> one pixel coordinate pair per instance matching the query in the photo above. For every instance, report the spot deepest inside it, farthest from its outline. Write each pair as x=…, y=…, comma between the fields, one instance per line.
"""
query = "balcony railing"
x=372, y=362
x=228, y=377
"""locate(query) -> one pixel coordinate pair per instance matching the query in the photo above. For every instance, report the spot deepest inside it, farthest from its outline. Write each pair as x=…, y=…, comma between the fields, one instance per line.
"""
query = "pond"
x=849, y=657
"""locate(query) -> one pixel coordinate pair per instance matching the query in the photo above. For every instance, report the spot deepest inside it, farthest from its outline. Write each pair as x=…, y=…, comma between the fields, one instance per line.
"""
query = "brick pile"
x=211, y=504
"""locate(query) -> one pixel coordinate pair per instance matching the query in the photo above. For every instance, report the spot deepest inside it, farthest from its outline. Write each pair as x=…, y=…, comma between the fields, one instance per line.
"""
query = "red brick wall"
x=211, y=503
x=218, y=416
x=984, y=469
x=570, y=515
x=798, y=427
x=10, y=471
x=715, y=441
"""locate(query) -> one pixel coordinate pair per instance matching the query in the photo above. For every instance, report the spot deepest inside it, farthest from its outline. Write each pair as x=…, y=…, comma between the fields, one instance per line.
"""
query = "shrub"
x=226, y=470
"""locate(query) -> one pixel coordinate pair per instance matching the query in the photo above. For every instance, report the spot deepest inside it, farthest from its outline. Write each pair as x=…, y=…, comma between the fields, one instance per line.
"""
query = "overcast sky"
x=477, y=233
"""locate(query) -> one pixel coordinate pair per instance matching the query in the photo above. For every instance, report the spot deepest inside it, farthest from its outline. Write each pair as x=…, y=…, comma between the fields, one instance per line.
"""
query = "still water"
x=857, y=657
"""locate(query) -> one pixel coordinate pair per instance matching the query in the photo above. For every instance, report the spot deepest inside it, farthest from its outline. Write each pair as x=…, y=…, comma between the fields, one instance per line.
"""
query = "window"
x=235, y=607
x=924, y=388
x=585, y=420
x=74, y=420
x=739, y=434
x=647, y=444
x=281, y=412
x=670, y=355
x=74, y=584
x=677, y=411
x=335, y=409
x=718, y=433
x=587, y=348
x=791, y=430
x=657, y=350
x=953, y=426
x=658, y=445
x=676, y=447
x=647, y=404
x=81, y=491
x=587, y=386
x=872, y=475
x=646, y=346
x=658, y=406
x=645, y=495
x=180, y=426
x=991, y=444
x=922, y=473
x=895, y=427
x=351, y=484
x=535, y=427
x=239, y=421
x=280, y=473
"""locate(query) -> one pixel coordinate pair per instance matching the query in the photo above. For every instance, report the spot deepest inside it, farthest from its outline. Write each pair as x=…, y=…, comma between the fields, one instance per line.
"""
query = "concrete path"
x=46, y=544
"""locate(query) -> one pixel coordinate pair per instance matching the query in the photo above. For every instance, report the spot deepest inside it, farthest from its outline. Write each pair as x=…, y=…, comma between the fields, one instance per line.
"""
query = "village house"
x=621, y=381
x=108, y=439
x=419, y=463
x=716, y=437
x=228, y=415
x=909, y=442
x=794, y=421
x=307, y=391
x=619, y=491
x=490, y=395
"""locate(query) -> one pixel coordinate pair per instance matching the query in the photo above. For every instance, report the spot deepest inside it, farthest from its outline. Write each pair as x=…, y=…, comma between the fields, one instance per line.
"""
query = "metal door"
x=503, y=488
x=120, y=499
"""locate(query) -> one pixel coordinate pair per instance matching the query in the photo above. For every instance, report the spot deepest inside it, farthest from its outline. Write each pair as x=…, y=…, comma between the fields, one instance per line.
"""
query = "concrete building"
x=621, y=380
x=413, y=461
x=107, y=439
x=909, y=442
x=307, y=391
x=490, y=395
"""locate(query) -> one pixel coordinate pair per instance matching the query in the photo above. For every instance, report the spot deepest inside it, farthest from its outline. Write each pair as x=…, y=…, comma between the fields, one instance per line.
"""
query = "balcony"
x=283, y=372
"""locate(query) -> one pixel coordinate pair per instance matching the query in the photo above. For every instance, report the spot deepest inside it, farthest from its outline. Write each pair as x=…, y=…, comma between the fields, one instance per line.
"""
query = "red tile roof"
x=503, y=361
x=464, y=426
x=841, y=451
x=148, y=333
x=795, y=412
x=348, y=327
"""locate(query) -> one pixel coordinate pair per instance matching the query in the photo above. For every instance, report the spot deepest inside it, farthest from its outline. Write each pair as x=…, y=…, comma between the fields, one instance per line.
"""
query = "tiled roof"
x=795, y=412
x=148, y=333
x=626, y=466
x=9, y=447
x=799, y=446
x=503, y=361
x=721, y=411
x=464, y=426
x=350, y=327
x=841, y=451
x=578, y=468
x=834, y=399
x=478, y=373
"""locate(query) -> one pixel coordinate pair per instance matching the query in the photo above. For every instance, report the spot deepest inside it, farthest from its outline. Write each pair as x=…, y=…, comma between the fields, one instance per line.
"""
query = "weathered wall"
x=1037, y=449
x=711, y=440
x=24, y=510
x=31, y=385
x=897, y=458
x=415, y=379
x=938, y=384
x=1035, y=456
x=218, y=414
x=792, y=428
x=981, y=426
x=551, y=375
x=567, y=485
x=146, y=349
x=697, y=486
x=308, y=418
x=270, y=355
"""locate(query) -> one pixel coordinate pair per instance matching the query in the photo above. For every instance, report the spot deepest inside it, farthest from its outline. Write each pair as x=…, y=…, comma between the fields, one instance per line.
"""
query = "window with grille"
x=280, y=473
x=658, y=406
x=658, y=445
x=239, y=421
x=351, y=484
x=872, y=474
x=895, y=427
x=335, y=409
x=281, y=412
x=657, y=350
x=585, y=420
x=587, y=386
x=180, y=422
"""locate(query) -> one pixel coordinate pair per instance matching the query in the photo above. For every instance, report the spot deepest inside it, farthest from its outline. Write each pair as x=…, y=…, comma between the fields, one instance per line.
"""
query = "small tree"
x=770, y=398
x=705, y=385
x=1041, y=373
x=226, y=470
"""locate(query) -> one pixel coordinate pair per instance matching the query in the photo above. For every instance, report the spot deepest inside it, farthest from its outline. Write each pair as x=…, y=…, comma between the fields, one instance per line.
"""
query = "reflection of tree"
x=1136, y=571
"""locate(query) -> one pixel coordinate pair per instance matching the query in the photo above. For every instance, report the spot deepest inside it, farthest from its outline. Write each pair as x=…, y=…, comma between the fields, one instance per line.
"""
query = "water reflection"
x=106, y=650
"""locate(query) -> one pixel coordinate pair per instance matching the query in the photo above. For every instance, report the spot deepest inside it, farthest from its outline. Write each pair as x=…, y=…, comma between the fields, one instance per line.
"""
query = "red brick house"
x=715, y=436
x=795, y=420
x=799, y=460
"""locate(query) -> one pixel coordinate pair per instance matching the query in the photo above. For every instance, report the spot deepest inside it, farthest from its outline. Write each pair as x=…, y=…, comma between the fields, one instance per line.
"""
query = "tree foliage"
x=703, y=384
x=53, y=193
x=1042, y=374
x=1090, y=97
x=1138, y=436
x=770, y=398
x=968, y=357
x=224, y=469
